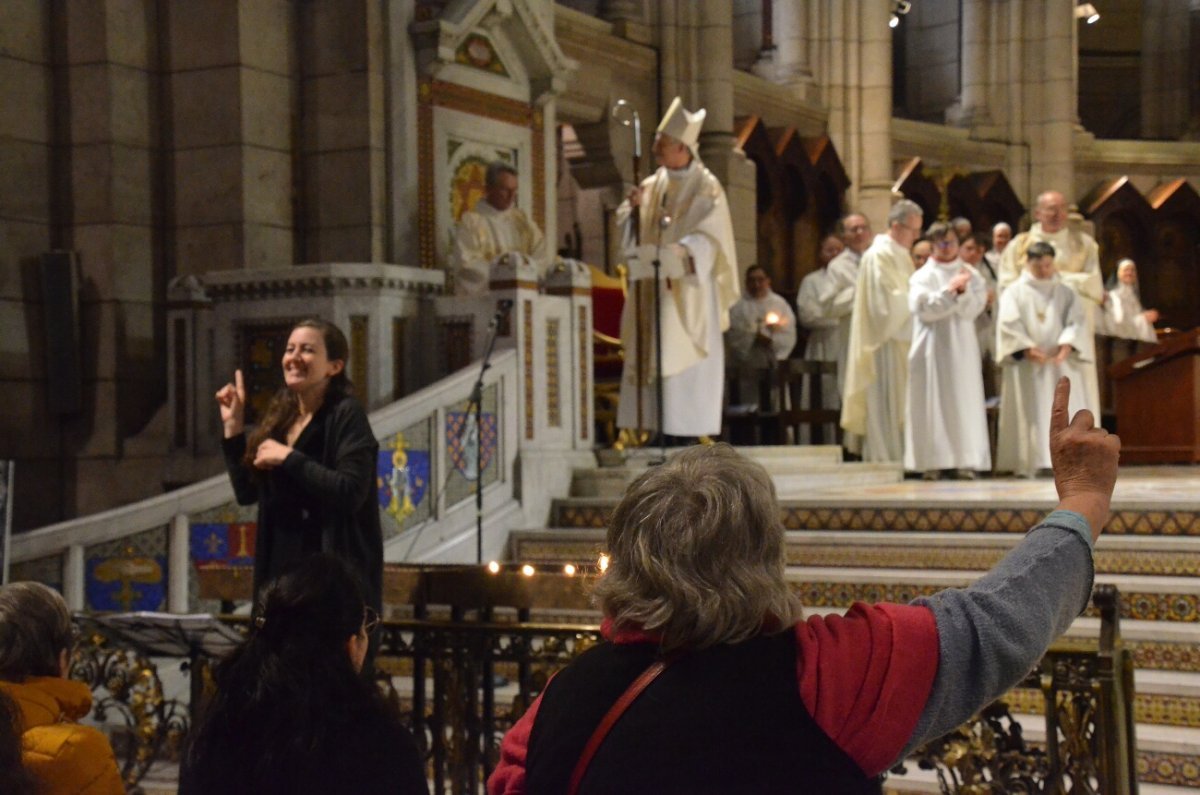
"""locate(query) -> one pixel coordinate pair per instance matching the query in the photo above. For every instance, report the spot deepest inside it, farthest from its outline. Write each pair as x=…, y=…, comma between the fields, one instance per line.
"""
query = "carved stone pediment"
x=504, y=41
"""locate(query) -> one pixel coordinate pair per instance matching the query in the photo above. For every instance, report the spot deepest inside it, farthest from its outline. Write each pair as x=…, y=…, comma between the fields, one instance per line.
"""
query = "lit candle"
x=772, y=318
x=494, y=567
x=603, y=563
x=569, y=569
x=527, y=570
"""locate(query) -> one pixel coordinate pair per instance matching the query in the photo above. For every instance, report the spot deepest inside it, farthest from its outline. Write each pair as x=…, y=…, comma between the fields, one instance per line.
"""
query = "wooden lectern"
x=1157, y=397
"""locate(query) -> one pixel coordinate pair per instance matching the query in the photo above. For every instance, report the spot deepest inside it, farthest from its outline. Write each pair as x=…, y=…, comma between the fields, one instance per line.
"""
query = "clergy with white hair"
x=683, y=222
x=880, y=334
x=946, y=424
x=1077, y=262
x=1124, y=316
x=1041, y=336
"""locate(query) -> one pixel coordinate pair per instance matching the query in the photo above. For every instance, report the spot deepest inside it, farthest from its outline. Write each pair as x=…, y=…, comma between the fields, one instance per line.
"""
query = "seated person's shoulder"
x=69, y=757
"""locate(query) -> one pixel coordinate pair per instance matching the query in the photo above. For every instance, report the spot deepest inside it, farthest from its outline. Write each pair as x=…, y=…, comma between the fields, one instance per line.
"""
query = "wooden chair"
x=791, y=377
x=751, y=413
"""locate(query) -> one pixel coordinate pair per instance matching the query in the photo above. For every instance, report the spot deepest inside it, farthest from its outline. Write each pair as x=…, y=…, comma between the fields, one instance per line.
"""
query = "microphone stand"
x=664, y=221
x=475, y=403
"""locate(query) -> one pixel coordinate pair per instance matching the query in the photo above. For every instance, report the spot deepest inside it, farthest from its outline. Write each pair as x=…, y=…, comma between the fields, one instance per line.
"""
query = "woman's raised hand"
x=231, y=399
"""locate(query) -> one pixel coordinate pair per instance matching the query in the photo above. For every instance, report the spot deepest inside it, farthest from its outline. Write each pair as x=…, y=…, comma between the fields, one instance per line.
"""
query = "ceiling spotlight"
x=1088, y=12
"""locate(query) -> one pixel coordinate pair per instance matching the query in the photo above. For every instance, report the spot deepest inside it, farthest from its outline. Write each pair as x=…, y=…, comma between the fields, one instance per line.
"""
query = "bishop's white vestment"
x=1042, y=313
x=686, y=209
x=484, y=234
x=1077, y=258
x=877, y=355
x=946, y=423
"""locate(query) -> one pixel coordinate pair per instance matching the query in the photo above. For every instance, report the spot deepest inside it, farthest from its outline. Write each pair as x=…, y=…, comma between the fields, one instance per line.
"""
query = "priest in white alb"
x=683, y=221
x=1077, y=261
x=494, y=227
x=1041, y=335
x=946, y=425
x=880, y=334
x=823, y=306
x=762, y=326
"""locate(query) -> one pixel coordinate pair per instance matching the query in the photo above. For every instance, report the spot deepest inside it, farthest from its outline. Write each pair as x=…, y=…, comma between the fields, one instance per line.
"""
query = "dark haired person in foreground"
x=309, y=463
x=62, y=756
x=754, y=699
x=291, y=712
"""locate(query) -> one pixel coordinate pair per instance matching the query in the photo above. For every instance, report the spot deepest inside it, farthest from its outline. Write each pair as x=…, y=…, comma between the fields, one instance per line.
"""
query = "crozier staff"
x=309, y=463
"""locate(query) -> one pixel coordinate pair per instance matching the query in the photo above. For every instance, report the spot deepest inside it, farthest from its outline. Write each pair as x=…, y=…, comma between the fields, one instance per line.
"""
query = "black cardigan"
x=321, y=499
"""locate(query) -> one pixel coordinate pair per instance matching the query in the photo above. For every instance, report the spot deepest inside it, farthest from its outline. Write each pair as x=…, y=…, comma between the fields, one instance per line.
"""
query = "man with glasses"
x=880, y=333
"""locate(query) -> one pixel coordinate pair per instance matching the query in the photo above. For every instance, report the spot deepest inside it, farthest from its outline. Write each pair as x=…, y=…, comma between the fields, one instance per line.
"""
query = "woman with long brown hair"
x=309, y=463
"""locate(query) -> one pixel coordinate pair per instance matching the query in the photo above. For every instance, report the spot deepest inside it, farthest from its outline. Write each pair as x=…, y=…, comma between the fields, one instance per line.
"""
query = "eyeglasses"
x=370, y=619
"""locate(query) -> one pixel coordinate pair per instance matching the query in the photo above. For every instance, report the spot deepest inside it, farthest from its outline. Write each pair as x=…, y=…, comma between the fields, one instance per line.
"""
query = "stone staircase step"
x=767, y=455
x=1137, y=555
x=791, y=481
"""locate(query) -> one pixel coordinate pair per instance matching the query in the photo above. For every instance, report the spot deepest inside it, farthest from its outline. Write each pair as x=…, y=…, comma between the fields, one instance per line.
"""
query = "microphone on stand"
x=503, y=307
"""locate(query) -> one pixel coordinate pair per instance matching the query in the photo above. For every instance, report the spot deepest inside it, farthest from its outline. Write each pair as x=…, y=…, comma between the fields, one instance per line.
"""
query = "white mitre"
x=682, y=125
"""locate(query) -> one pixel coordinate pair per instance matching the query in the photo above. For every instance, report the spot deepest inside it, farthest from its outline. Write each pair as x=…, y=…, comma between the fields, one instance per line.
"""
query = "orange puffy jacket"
x=64, y=756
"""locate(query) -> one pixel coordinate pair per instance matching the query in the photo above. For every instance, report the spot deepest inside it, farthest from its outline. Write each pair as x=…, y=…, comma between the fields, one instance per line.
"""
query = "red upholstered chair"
x=608, y=299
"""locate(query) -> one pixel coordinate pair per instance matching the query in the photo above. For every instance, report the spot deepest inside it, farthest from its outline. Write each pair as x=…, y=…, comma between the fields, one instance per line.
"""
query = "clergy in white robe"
x=1041, y=335
x=1077, y=259
x=683, y=218
x=880, y=334
x=496, y=226
x=1124, y=317
x=762, y=326
x=823, y=307
x=946, y=424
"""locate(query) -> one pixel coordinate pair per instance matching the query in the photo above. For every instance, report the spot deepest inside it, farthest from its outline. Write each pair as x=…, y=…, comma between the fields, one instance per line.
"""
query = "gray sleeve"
x=993, y=632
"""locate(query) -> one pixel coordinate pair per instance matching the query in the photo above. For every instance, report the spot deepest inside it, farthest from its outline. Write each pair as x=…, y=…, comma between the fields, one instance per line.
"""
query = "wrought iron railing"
x=1090, y=743
x=474, y=672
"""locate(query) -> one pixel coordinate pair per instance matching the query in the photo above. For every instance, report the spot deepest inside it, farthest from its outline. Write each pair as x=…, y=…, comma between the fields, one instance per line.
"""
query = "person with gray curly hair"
x=35, y=641
x=710, y=680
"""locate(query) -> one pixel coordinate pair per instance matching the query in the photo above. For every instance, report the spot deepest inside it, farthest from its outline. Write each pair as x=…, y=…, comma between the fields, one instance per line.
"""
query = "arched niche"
x=1170, y=279
x=1123, y=221
x=773, y=249
x=817, y=185
x=913, y=184
x=985, y=198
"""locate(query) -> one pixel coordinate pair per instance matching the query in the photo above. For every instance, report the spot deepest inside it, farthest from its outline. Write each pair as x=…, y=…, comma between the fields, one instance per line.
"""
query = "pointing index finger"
x=239, y=384
x=1059, y=415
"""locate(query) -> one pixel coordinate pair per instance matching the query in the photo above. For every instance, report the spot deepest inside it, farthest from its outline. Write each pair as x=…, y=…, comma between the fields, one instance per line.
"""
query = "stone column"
x=628, y=18
x=1166, y=34
x=714, y=83
x=1052, y=128
x=345, y=165
x=29, y=207
x=860, y=101
x=231, y=105
x=111, y=161
x=792, y=29
x=972, y=107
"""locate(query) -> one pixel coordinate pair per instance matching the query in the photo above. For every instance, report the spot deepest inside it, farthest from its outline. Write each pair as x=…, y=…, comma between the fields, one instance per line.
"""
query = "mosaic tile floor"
x=1163, y=487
